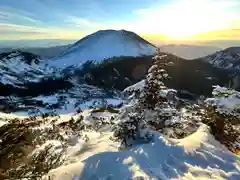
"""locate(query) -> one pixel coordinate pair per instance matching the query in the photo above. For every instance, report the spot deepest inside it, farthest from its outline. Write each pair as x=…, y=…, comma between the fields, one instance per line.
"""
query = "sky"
x=155, y=20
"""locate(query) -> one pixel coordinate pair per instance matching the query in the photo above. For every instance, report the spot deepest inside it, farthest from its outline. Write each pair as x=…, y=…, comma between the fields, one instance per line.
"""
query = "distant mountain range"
x=132, y=55
x=181, y=50
x=189, y=51
x=228, y=59
x=43, y=52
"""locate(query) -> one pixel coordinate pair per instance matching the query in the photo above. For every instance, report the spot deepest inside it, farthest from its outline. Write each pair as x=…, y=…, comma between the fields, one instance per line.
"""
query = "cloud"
x=177, y=19
x=19, y=24
x=14, y=15
x=84, y=23
x=14, y=31
x=226, y=34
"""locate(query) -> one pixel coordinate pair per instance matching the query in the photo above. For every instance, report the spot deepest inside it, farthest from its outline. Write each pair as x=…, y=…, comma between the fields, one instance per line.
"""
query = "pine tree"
x=146, y=99
x=154, y=83
x=151, y=100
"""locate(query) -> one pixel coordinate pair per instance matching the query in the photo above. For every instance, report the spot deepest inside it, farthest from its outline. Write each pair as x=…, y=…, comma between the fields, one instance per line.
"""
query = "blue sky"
x=73, y=19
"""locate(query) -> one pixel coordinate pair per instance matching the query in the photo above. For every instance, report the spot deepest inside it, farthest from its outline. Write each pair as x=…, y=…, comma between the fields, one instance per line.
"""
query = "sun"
x=179, y=34
x=179, y=38
x=186, y=19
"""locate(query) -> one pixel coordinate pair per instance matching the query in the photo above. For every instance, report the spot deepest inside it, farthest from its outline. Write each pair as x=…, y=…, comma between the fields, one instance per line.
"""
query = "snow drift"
x=198, y=156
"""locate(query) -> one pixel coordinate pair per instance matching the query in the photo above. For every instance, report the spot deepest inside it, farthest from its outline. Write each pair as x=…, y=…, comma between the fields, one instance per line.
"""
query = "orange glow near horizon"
x=231, y=34
x=190, y=20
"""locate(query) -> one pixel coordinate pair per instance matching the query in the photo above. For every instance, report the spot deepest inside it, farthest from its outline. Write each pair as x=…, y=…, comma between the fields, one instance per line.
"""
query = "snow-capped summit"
x=227, y=59
x=101, y=45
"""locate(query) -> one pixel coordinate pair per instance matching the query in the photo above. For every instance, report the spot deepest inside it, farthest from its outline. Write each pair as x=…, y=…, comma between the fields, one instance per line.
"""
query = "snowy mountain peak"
x=25, y=57
x=101, y=45
x=19, y=67
x=228, y=59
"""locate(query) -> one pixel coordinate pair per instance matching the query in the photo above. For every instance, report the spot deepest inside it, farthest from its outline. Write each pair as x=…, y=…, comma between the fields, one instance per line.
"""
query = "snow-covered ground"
x=68, y=108
x=91, y=154
x=198, y=156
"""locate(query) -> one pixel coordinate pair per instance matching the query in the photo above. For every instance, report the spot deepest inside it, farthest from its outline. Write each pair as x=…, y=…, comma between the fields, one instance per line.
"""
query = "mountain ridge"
x=228, y=59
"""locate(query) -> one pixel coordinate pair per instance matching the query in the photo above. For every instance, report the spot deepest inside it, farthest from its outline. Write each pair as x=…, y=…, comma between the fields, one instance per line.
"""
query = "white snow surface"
x=138, y=86
x=81, y=96
x=68, y=108
x=102, y=45
x=2, y=122
x=198, y=156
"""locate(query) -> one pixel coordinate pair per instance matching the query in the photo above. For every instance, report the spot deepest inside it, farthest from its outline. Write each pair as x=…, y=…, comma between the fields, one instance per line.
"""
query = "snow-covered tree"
x=226, y=101
x=153, y=101
x=132, y=129
x=150, y=96
x=149, y=104
x=223, y=116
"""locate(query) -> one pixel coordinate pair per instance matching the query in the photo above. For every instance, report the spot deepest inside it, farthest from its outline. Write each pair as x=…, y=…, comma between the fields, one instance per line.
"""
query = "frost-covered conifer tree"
x=131, y=130
x=150, y=96
x=148, y=104
x=153, y=101
x=222, y=114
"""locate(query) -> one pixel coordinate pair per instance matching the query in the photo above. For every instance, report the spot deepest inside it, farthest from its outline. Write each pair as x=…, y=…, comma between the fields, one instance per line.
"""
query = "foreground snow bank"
x=75, y=155
x=198, y=156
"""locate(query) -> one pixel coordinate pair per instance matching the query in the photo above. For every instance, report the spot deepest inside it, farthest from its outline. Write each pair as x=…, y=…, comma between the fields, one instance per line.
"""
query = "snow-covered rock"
x=101, y=45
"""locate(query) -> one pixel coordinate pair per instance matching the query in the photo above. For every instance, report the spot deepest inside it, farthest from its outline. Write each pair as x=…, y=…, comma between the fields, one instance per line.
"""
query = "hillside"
x=195, y=76
x=19, y=67
x=228, y=59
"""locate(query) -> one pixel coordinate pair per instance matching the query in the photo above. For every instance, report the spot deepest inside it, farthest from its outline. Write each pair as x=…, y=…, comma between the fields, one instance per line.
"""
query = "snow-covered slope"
x=17, y=68
x=198, y=156
x=101, y=45
x=227, y=59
